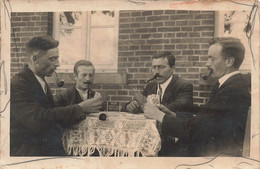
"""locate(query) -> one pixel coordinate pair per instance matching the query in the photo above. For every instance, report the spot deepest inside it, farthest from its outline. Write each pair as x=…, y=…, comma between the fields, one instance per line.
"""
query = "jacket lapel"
x=169, y=89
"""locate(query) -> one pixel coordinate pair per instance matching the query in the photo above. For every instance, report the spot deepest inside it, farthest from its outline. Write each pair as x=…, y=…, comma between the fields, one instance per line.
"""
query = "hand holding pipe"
x=60, y=82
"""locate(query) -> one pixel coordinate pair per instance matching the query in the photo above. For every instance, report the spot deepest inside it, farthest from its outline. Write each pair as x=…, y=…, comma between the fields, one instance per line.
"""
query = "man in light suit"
x=36, y=122
x=219, y=125
x=175, y=94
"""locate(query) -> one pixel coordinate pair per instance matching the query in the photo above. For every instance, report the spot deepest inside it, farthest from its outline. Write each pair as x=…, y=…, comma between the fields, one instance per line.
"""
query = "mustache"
x=88, y=82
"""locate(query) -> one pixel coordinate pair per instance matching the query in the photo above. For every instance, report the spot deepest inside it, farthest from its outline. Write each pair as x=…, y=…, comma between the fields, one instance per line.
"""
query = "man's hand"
x=166, y=110
x=92, y=105
x=152, y=112
x=134, y=107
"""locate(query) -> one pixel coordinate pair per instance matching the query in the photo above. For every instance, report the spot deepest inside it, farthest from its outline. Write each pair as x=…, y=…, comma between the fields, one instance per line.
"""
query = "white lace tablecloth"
x=121, y=134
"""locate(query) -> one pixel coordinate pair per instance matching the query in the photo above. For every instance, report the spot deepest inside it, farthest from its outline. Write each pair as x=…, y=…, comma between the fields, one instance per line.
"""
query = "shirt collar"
x=42, y=82
x=166, y=83
x=226, y=77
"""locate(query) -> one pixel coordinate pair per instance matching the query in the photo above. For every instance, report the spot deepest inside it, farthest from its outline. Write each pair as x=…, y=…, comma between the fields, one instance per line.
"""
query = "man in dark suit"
x=35, y=120
x=174, y=93
x=84, y=72
x=219, y=126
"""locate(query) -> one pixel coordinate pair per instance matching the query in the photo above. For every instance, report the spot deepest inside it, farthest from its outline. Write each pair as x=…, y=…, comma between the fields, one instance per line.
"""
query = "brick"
x=157, y=35
x=169, y=35
x=144, y=70
x=187, y=52
x=135, y=25
x=204, y=94
x=186, y=64
x=111, y=86
x=172, y=23
x=195, y=94
x=146, y=24
x=15, y=19
x=125, y=64
x=182, y=12
x=25, y=13
x=132, y=70
x=31, y=24
x=158, y=12
x=193, y=70
x=198, y=100
x=35, y=29
x=132, y=59
x=126, y=31
x=157, y=47
x=145, y=30
x=180, y=69
x=203, y=28
x=123, y=36
x=205, y=34
x=125, y=53
x=124, y=14
x=44, y=29
x=122, y=48
x=18, y=24
x=194, y=23
x=169, y=47
x=186, y=28
x=135, y=36
x=132, y=81
x=207, y=22
x=134, y=47
x=146, y=58
x=123, y=26
x=145, y=52
x=193, y=58
x=145, y=47
x=140, y=19
x=157, y=41
x=122, y=59
x=16, y=29
x=40, y=34
x=204, y=16
x=190, y=76
x=182, y=35
x=41, y=23
x=169, y=11
x=44, y=18
x=135, y=13
x=147, y=13
x=205, y=46
x=203, y=58
x=173, y=29
x=175, y=52
x=181, y=23
x=181, y=46
x=194, y=34
x=157, y=18
x=194, y=46
x=122, y=20
x=25, y=29
x=181, y=17
x=202, y=40
x=146, y=36
x=180, y=58
x=156, y=24
x=194, y=12
x=24, y=34
x=148, y=64
x=138, y=64
x=199, y=64
x=135, y=42
x=142, y=76
x=201, y=52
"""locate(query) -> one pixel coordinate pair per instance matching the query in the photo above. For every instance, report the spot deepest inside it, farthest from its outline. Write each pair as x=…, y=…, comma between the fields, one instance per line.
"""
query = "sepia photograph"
x=158, y=86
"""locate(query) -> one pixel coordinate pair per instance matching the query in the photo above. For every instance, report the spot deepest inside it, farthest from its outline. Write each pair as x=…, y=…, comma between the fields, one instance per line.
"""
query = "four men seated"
x=217, y=127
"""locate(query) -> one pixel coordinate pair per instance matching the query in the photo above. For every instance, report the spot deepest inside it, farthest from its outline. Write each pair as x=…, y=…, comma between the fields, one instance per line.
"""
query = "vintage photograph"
x=132, y=83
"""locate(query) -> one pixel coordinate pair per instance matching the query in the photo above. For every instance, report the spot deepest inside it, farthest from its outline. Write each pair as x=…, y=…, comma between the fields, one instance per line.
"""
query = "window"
x=91, y=35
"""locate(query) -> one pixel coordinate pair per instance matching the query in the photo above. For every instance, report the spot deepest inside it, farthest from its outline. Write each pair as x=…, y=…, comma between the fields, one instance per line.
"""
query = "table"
x=121, y=134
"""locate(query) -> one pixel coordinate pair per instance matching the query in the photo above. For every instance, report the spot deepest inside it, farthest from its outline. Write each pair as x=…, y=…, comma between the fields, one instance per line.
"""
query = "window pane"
x=102, y=47
x=101, y=18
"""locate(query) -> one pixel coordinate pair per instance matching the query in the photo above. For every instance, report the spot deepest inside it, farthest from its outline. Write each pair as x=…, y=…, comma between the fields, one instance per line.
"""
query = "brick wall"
x=141, y=35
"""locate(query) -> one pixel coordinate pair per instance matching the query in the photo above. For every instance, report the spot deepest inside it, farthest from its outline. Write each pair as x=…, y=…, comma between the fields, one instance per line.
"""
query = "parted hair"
x=231, y=47
x=82, y=63
x=170, y=57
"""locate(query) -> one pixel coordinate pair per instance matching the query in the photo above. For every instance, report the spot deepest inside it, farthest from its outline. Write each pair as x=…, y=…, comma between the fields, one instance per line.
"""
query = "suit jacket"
x=219, y=126
x=178, y=98
x=70, y=96
x=35, y=121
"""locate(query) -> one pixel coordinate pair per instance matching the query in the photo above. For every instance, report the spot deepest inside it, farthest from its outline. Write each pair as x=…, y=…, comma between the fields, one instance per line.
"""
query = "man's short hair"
x=41, y=44
x=231, y=47
x=82, y=63
x=170, y=57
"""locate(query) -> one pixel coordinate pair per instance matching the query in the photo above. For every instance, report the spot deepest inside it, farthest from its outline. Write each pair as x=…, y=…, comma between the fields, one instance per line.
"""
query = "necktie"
x=45, y=88
x=160, y=93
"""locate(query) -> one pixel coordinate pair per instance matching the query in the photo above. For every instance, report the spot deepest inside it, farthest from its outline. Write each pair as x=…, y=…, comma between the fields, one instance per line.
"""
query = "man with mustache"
x=174, y=93
x=84, y=72
x=219, y=125
x=36, y=122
